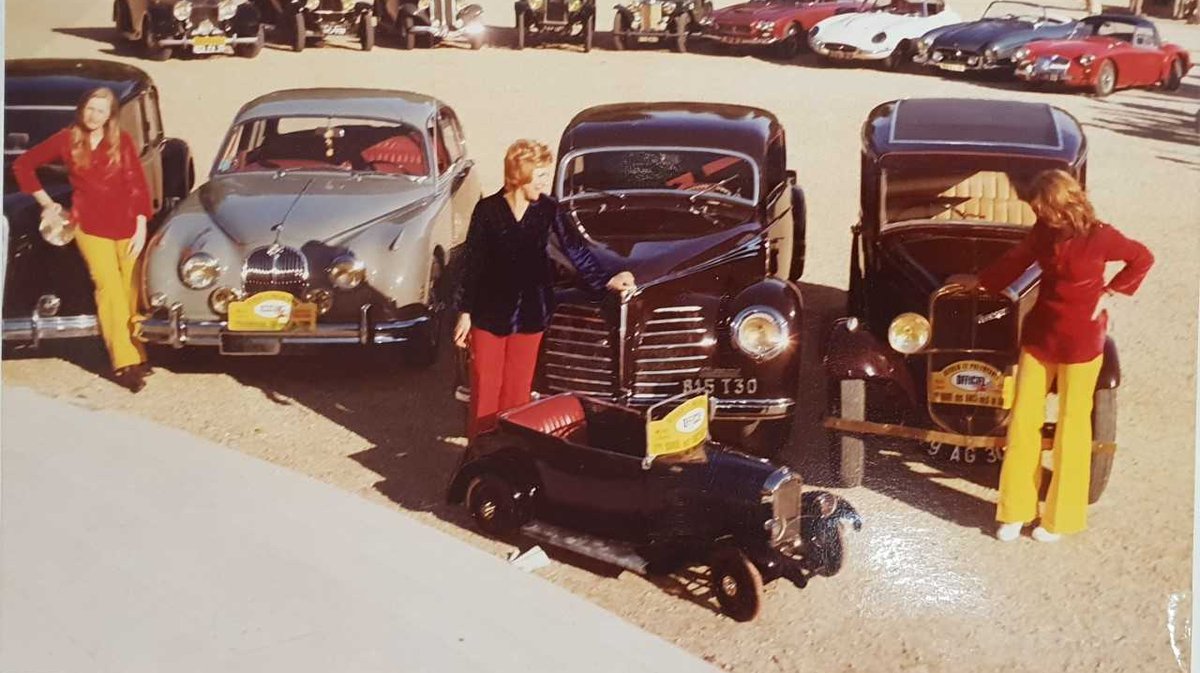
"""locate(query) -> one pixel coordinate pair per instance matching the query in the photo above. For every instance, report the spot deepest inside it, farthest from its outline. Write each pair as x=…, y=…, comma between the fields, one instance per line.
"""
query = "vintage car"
x=781, y=25
x=329, y=218
x=918, y=357
x=1103, y=54
x=201, y=26
x=301, y=19
x=658, y=21
x=48, y=293
x=888, y=32
x=562, y=20
x=990, y=42
x=433, y=21
x=651, y=495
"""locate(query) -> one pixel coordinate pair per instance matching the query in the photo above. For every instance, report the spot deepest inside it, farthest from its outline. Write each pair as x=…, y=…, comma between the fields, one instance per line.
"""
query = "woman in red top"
x=111, y=204
x=1062, y=338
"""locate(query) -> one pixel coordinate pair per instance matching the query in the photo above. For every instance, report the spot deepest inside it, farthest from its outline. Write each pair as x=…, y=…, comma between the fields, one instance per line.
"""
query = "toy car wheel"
x=1104, y=429
x=1106, y=79
x=150, y=46
x=789, y=47
x=254, y=48
x=1174, y=76
x=849, y=451
x=299, y=32
x=366, y=33
x=521, y=30
x=589, y=33
x=680, y=41
x=491, y=501
x=618, y=32
x=737, y=583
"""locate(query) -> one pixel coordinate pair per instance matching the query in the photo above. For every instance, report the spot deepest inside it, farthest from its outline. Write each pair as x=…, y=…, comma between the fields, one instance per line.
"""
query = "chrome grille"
x=786, y=504
x=578, y=352
x=957, y=56
x=672, y=348
x=275, y=268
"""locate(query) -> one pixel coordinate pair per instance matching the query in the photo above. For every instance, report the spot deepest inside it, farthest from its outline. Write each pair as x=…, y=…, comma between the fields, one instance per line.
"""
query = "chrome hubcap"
x=487, y=510
x=729, y=586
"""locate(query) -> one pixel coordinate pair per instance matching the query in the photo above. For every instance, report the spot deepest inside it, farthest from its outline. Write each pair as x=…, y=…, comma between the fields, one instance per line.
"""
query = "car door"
x=133, y=120
x=464, y=181
x=594, y=490
x=1144, y=57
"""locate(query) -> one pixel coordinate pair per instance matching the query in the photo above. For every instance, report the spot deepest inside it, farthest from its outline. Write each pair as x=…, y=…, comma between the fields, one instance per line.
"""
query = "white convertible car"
x=888, y=32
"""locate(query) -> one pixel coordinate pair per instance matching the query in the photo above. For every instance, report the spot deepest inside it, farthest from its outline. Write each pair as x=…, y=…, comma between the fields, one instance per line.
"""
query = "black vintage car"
x=201, y=26
x=555, y=20
x=424, y=23
x=576, y=473
x=47, y=290
x=662, y=21
x=301, y=19
x=920, y=358
x=989, y=42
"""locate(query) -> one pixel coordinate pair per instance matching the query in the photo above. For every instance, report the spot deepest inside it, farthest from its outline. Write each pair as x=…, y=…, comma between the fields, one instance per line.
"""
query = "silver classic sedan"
x=329, y=218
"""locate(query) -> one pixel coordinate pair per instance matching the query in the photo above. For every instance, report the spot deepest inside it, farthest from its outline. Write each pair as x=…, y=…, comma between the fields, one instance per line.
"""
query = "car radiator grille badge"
x=275, y=267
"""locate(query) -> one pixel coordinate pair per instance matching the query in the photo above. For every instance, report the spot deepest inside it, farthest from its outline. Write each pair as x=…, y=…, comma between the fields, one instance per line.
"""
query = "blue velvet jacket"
x=508, y=276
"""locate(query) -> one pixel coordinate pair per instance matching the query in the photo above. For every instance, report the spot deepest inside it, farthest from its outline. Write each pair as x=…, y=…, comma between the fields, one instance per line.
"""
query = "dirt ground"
x=926, y=589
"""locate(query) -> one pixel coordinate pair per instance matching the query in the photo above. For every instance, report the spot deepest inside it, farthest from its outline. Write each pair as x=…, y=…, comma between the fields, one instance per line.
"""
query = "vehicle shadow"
x=1144, y=114
x=106, y=35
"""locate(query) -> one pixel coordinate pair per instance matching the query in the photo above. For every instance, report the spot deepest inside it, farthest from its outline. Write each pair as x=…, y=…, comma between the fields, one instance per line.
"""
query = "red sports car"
x=1105, y=53
x=782, y=25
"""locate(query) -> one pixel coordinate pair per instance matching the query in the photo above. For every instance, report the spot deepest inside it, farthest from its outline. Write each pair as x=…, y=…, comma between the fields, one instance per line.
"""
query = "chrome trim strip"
x=584, y=330
x=663, y=372
x=675, y=332
x=682, y=358
x=574, y=356
x=671, y=321
x=36, y=328
x=655, y=347
x=677, y=309
x=571, y=379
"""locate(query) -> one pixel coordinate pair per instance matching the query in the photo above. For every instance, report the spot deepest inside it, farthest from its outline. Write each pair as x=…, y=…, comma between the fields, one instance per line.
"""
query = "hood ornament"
x=276, y=247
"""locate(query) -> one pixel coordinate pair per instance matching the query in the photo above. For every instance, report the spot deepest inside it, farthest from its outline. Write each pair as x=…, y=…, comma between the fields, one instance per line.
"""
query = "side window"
x=448, y=146
x=154, y=127
x=1144, y=37
x=776, y=168
x=133, y=122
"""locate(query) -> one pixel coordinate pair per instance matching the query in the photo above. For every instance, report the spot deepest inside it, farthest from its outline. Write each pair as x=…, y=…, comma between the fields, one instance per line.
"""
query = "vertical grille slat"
x=673, y=347
x=579, y=355
x=275, y=268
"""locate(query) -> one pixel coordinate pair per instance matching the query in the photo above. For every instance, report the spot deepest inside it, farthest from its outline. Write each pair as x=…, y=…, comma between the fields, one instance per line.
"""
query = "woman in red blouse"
x=1062, y=338
x=111, y=205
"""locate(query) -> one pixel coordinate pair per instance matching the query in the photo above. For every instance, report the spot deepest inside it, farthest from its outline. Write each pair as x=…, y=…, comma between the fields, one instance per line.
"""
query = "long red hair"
x=81, y=149
x=1060, y=202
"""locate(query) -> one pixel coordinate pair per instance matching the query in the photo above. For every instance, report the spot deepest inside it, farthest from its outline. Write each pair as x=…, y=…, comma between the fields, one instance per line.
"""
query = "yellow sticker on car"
x=272, y=311
x=684, y=428
x=971, y=382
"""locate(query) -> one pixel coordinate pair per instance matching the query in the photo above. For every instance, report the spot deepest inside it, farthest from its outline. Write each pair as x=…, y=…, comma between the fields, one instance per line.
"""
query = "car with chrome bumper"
x=990, y=42
x=918, y=357
x=658, y=21
x=302, y=19
x=199, y=26
x=781, y=26
x=48, y=292
x=651, y=496
x=330, y=217
x=541, y=21
x=887, y=32
x=426, y=23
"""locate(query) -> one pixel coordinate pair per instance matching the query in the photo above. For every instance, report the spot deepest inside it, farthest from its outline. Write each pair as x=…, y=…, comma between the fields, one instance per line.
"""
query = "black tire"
x=424, y=351
x=829, y=551
x=849, y=451
x=737, y=583
x=521, y=31
x=899, y=57
x=618, y=32
x=254, y=49
x=492, y=503
x=1104, y=429
x=366, y=33
x=789, y=47
x=589, y=33
x=1106, y=79
x=679, y=43
x=1174, y=77
x=151, y=49
x=299, y=32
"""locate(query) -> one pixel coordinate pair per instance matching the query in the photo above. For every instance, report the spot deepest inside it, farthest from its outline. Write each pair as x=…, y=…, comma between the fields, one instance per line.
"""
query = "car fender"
x=1173, y=53
x=1110, y=368
x=247, y=19
x=398, y=252
x=179, y=172
x=470, y=13
x=506, y=462
x=857, y=354
x=785, y=298
x=188, y=230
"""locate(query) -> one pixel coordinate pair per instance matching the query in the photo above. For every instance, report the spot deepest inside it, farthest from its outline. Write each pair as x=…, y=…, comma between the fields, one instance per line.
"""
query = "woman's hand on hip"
x=622, y=282
x=1108, y=300
x=138, y=241
x=462, y=330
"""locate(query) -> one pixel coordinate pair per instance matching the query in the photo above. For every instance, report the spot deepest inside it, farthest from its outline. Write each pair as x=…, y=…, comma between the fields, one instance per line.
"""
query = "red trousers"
x=501, y=375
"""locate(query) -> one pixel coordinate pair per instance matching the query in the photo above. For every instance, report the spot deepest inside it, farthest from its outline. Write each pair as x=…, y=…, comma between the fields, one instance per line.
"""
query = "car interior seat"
x=397, y=153
x=559, y=416
x=989, y=196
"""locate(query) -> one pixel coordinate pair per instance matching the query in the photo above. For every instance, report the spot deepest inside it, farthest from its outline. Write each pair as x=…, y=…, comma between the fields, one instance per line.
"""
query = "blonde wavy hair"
x=81, y=150
x=1060, y=202
x=522, y=158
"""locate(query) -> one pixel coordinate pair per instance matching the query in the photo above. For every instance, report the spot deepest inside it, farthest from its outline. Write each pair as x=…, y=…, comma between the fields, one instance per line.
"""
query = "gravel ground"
x=926, y=589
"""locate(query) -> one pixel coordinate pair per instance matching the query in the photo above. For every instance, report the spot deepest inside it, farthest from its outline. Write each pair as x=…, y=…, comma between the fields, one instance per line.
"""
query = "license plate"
x=209, y=44
x=244, y=344
x=721, y=385
x=974, y=383
x=272, y=311
x=333, y=28
x=953, y=67
x=644, y=38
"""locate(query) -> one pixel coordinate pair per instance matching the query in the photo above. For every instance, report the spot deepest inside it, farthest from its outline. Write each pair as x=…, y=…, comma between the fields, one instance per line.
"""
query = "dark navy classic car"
x=47, y=289
x=200, y=26
x=989, y=43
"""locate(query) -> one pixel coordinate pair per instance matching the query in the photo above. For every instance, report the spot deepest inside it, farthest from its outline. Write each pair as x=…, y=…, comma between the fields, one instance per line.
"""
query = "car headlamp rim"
x=312, y=5
x=182, y=10
x=1021, y=54
x=774, y=318
x=347, y=272
x=909, y=333
x=199, y=271
x=226, y=9
x=1087, y=59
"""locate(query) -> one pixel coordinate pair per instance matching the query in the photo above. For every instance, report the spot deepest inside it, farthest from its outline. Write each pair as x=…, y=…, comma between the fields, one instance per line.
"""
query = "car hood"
x=930, y=253
x=749, y=12
x=860, y=27
x=736, y=477
x=310, y=206
x=1072, y=48
x=660, y=241
x=976, y=36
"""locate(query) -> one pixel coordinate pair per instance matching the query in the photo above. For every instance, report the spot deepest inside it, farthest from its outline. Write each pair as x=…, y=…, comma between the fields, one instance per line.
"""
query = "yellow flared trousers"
x=1021, y=475
x=116, y=297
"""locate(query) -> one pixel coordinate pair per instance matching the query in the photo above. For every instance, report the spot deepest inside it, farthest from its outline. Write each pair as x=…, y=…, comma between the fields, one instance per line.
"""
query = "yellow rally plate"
x=971, y=382
x=272, y=311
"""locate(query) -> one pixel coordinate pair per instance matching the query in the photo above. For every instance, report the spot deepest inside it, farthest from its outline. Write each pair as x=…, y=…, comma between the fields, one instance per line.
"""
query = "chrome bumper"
x=856, y=55
x=726, y=410
x=190, y=41
x=35, y=328
x=756, y=40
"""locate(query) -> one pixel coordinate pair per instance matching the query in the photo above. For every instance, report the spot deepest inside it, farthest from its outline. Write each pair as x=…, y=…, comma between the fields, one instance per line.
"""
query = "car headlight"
x=878, y=37
x=1087, y=59
x=760, y=332
x=347, y=272
x=533, y=4
x=764, y=26
x=937, y=56
x=227, y=8
x=312, y=5
x=575, y=5
x=668, y=8
x=922, y=46
x=1018, y=55
x=813, y=32
x=991, y=54
x=199, y=271
x=908, y=333
x=182, y=10
x=222, y=297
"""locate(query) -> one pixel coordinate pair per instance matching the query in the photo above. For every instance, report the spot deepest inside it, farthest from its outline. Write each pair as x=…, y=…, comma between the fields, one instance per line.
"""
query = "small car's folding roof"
x=61, y=82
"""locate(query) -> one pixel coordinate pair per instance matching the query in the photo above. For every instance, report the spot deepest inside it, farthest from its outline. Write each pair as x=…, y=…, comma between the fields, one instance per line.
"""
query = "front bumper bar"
x=189, y=41
x=35, y=328
x=726, y=409
x=925, y=435
x=856, y=55
x=752, y=40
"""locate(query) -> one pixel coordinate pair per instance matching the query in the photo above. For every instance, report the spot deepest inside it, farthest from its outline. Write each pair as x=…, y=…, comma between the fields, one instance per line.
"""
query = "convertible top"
x=383, y=104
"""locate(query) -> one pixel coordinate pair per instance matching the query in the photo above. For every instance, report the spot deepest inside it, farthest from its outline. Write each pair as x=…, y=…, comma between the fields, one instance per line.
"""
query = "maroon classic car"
x=782, y=25
x=919, y=358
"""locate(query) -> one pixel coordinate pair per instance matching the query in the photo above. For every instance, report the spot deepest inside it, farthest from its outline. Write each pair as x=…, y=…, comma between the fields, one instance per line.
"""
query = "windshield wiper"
x=708, y=188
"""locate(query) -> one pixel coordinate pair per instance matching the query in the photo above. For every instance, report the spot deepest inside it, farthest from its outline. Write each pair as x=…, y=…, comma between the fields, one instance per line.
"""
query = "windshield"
x=904, y=7
x=1015, y=10
x=1114, y=29
x=699, y=172
x=24, y=128
x=325, y=143
x=965, y=193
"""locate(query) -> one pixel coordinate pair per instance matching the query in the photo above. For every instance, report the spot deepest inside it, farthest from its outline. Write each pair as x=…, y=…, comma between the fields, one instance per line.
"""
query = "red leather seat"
x=561, y=416
x=397, y=154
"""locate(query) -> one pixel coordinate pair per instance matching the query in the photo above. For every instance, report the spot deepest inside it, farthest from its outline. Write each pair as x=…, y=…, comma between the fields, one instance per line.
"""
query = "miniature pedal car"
x=651, y=496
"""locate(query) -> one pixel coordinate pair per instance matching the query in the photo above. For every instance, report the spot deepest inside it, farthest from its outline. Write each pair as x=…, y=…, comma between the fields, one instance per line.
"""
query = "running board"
x=620, y=554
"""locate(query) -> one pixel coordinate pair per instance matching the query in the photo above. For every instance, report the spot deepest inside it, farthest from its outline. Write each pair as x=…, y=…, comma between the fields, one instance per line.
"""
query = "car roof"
x=383, y=104
x=973, y=126
x=737, y=128
x=1120, y=18
x=61, y=82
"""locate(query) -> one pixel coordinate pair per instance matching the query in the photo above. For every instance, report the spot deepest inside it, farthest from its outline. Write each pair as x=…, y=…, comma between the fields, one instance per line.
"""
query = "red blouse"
x=1059, y=328
x=106, y=200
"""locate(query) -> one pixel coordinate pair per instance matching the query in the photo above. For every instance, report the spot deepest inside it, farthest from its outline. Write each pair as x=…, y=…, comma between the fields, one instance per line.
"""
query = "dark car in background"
x=989, y=43
x=425, y=23
x=920, y=358
x=659, y=21
x=301, y=19
x=199, y=26
x=779, y=25
x=555, y=21
x=47, y=290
